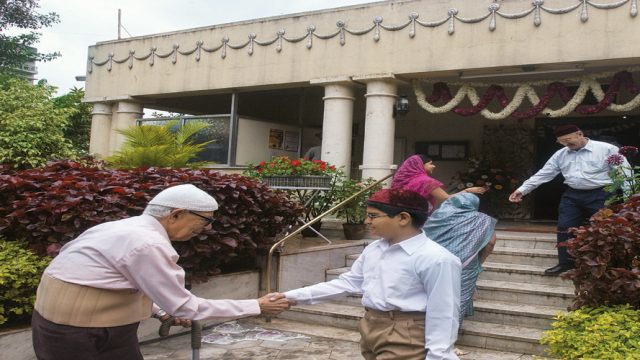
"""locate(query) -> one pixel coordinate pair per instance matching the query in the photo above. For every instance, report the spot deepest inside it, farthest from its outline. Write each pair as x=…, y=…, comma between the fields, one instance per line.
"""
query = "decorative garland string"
x=442, y=93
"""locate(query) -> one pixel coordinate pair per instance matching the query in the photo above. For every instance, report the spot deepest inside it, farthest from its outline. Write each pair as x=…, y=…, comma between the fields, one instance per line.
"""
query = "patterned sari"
x=460, y=228
x=411, y=175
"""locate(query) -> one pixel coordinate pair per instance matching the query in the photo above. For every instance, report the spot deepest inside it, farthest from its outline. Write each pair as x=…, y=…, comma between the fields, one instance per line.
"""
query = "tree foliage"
x=78, y=124
x=17, y=50
x=169, y=145
x=31, y=126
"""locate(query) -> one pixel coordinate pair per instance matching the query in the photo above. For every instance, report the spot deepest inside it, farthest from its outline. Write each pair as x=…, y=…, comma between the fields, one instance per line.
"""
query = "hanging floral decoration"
x=606, y=100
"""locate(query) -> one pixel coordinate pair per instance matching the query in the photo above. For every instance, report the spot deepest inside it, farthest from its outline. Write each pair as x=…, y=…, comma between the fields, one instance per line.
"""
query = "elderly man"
x=410, y=285
x=583, y=163
x=93, y=295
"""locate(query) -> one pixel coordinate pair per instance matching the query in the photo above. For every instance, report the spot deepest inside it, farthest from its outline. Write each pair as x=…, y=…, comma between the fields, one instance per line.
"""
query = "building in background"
x=341, y=71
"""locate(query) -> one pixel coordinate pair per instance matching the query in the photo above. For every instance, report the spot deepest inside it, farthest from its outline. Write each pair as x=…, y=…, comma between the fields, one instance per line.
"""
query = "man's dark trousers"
x=575, y=209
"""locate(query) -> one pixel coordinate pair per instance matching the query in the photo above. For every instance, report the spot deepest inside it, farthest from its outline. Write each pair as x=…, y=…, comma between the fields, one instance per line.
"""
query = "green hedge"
x=604, y=333
x=20, y=271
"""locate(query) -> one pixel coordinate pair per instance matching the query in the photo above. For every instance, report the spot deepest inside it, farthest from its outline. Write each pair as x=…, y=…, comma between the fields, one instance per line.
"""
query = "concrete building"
x=28, y=70
x=341, y=72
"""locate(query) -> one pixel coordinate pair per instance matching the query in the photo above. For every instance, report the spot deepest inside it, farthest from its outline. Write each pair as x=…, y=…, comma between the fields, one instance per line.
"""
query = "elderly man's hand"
x=515, y=197
x=274, y=303
x=177, y=321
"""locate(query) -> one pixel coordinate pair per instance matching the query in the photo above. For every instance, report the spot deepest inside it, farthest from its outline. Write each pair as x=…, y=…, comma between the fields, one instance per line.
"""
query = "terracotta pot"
x=310, y=233
x=354, y=231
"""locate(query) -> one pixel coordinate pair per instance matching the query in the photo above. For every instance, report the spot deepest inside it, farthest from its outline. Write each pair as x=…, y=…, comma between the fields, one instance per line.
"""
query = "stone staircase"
x=514, y=303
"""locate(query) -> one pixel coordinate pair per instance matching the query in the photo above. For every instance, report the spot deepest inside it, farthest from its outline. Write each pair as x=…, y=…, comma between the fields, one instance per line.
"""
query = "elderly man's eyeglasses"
x=375, y=216
x=209, y=220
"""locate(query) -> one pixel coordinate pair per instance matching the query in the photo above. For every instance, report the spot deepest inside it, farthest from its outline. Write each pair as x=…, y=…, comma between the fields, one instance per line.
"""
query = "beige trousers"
x=392, y=335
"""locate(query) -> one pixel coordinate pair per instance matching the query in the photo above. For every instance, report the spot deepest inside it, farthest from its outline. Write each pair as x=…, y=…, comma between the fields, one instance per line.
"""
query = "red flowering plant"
x=625, y=179
x=284, y=166
x=315, y=178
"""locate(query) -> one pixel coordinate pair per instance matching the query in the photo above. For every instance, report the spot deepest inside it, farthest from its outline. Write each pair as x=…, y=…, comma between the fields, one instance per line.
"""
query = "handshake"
x=274, y=303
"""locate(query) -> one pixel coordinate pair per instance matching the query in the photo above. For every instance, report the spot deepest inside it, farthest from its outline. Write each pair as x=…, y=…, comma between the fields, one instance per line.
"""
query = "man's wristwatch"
x=160, y=314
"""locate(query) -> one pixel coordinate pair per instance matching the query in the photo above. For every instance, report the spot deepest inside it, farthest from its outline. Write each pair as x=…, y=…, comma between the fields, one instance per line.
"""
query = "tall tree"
x=17, y=50
x=78, y=124
x=31, y=126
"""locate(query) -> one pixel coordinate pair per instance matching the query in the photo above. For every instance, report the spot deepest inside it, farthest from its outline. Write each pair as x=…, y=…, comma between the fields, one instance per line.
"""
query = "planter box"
x=319, y=182
x=16, y=344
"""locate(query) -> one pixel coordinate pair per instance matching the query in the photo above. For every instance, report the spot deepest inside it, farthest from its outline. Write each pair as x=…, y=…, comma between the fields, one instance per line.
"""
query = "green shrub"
x=20, y=271
x=602, y=333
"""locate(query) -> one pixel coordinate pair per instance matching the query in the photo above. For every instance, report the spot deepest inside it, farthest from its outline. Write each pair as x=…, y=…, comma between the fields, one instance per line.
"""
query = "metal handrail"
x=311, y=222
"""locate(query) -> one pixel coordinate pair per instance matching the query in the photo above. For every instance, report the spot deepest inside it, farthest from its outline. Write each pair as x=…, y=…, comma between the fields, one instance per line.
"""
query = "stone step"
x=328, y=314
x=352, y=335
x=524, y=293
x=526, y=240
x=334, y=273
x=496, y=312
x=518, y=339
x=524, y=256
x=500, y=337
x=532, y=274
x=524, y=235
x=351, y=258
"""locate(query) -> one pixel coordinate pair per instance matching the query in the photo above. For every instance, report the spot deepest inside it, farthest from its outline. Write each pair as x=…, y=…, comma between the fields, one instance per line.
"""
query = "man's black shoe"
x=558, y=269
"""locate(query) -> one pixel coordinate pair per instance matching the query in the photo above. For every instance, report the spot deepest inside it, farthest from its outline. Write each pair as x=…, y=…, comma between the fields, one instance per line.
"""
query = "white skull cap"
x=186, y=197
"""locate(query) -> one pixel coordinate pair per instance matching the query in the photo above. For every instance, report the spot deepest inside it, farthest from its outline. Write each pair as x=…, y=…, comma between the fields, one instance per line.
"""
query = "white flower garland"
x=524, y=90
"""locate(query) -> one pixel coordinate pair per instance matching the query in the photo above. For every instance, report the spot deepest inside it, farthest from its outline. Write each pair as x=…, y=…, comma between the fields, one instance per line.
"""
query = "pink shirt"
x=136, y=253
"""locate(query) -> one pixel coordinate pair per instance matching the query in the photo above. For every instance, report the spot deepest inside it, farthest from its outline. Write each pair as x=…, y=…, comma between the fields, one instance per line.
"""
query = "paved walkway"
x=313, y=347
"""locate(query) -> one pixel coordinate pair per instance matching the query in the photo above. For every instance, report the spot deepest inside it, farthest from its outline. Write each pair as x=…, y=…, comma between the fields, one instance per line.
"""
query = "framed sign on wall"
x=444, y=150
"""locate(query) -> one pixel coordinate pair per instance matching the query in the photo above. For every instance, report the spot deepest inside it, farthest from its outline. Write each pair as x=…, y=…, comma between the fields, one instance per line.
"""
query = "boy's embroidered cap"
x=399, y=198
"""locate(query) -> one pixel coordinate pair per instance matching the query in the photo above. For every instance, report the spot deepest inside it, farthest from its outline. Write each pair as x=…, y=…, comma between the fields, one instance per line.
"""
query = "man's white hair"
x=157, y=211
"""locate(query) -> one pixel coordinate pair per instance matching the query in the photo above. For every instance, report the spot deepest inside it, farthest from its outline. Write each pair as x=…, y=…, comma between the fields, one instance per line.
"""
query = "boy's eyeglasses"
x=374, y=216
x=209, y=220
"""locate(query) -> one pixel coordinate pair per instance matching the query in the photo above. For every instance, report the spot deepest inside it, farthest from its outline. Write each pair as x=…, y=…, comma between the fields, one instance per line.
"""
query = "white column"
x=100, y=129
x=127, y=113
x=379, y=130
x=337, y=123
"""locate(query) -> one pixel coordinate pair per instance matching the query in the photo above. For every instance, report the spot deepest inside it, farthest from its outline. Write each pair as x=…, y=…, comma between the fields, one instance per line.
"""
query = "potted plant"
x=310, y=182
x=354, y=212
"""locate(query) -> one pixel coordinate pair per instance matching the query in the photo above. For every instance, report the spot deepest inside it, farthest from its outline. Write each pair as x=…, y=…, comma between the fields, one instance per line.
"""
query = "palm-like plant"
x=169, y=145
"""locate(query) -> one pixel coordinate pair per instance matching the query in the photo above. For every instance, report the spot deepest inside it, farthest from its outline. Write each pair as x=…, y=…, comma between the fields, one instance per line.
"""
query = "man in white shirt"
x=93, y=295
x=583, y=163
x=410, y=285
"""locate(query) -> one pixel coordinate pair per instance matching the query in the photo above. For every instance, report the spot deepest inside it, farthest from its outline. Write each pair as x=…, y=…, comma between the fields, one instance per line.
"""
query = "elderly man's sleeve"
x=442, y=283
x=550, y=170
x=152, y=269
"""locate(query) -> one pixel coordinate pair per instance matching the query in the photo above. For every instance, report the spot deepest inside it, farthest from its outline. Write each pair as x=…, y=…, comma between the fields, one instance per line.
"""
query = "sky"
x=86, y=22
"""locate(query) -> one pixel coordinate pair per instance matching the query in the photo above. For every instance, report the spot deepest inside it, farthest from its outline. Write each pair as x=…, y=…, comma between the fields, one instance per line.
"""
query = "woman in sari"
x=459, y=227
x=414, y=174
